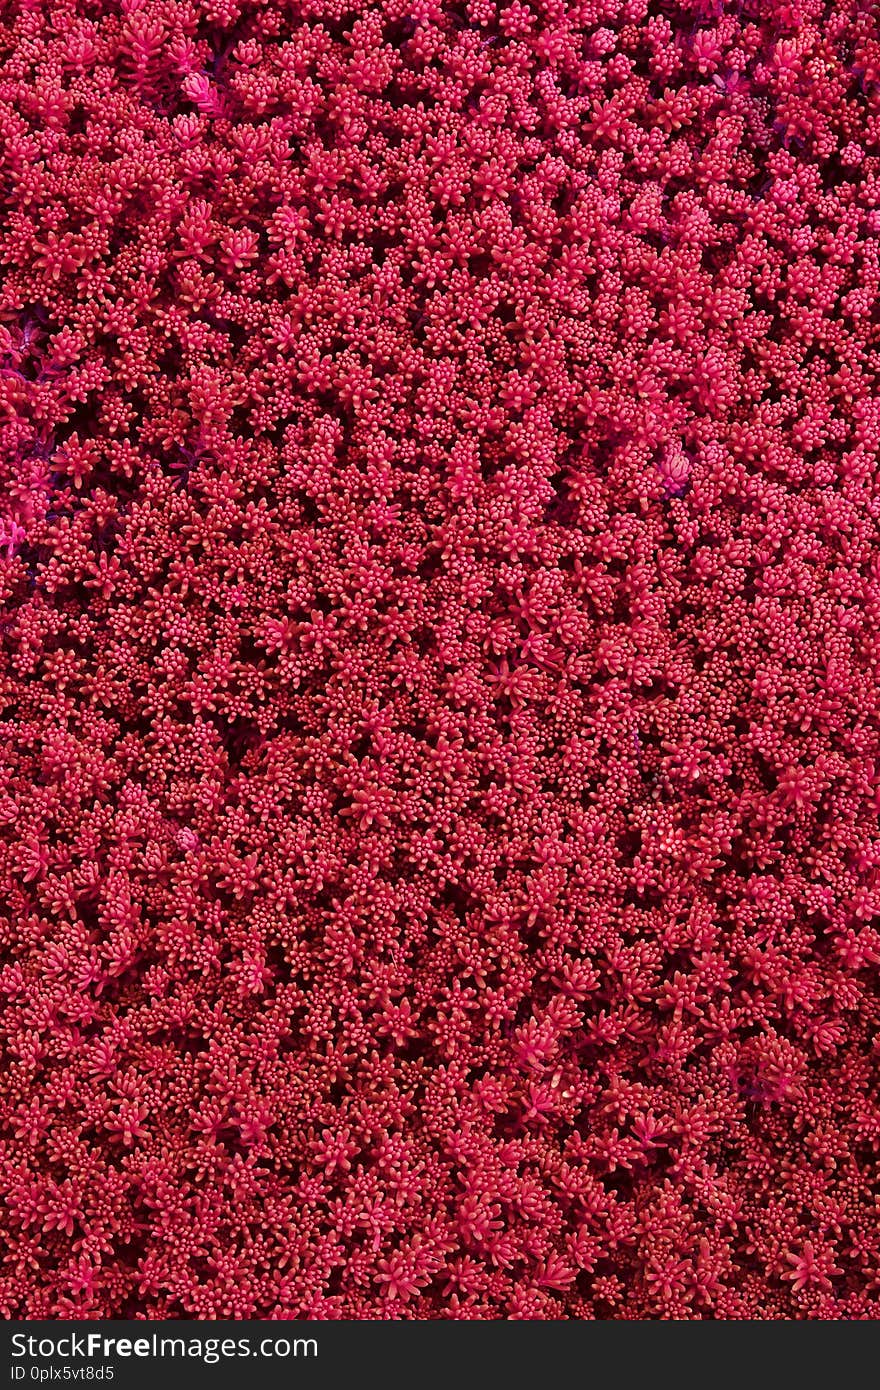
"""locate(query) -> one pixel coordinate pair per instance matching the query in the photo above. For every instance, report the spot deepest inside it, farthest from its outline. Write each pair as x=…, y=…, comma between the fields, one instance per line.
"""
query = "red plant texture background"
x=440, y=627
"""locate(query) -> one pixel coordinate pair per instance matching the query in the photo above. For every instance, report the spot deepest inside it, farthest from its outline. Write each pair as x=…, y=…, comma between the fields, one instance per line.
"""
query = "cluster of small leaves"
x=440, y=584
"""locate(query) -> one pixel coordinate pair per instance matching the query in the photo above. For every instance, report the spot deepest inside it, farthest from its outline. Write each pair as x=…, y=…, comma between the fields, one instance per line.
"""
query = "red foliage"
x=440, y=605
